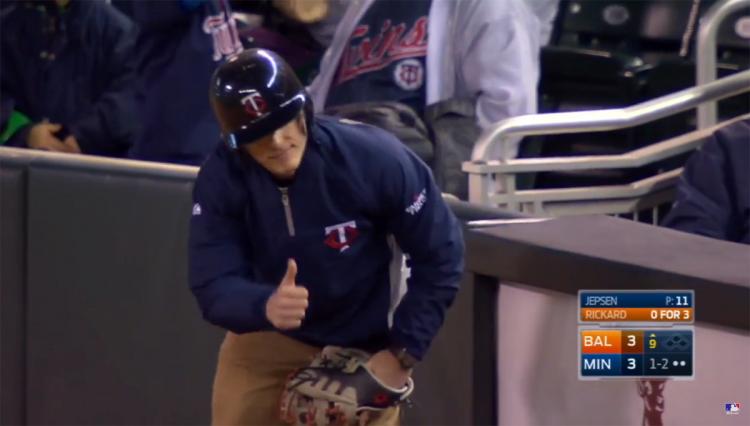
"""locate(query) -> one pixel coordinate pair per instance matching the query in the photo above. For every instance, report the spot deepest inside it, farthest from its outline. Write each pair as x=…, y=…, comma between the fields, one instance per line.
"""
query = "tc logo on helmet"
x=255, y=105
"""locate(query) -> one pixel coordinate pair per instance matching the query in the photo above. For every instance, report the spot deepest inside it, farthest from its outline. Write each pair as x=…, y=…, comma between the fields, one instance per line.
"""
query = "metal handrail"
x=600, y=193
x=611, y=199
x=705, y=60
x=602, y=120
x=10, y=155
x=633, y=159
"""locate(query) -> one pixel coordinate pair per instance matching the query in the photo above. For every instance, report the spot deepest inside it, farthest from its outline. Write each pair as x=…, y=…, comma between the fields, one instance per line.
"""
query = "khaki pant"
x=250, y=376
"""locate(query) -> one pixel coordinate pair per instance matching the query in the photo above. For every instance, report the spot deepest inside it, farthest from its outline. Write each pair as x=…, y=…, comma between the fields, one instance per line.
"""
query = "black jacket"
x=75, y=67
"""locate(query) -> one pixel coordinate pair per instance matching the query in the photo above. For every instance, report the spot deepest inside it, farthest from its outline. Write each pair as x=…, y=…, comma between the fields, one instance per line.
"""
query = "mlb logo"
x=732, y=408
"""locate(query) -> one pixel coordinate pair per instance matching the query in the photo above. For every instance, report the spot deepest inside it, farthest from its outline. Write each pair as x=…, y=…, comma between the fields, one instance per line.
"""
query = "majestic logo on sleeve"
x=367, y=53
x=419, y=200
x=224, y=33
x=196, y=209
x=254, y=104
x=341, y=236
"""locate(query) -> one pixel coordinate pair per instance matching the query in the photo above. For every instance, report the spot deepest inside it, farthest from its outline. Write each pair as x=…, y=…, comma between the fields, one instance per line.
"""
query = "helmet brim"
x=267, y=123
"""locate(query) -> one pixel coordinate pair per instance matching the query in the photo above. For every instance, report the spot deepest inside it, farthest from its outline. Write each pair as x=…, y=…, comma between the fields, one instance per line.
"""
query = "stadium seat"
x=607, y=54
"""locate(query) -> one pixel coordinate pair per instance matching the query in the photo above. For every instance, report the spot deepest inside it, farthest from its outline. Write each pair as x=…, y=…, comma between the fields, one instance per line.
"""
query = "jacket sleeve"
x=109, y=124
x=707, y=193
x=504, y=83
x=220, y=266
x=430, y=236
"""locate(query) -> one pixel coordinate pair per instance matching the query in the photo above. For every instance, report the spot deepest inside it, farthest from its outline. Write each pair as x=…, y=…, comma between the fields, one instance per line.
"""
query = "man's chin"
x=284, y=172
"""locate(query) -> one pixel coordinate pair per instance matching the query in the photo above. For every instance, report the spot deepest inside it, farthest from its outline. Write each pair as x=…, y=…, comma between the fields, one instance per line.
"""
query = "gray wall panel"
x=12, y=295
x=114, y=334
x=443, y=380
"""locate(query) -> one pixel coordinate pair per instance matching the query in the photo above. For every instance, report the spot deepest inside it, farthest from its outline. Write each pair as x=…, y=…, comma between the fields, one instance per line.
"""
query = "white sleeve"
x=498, y=59
x=545, y=11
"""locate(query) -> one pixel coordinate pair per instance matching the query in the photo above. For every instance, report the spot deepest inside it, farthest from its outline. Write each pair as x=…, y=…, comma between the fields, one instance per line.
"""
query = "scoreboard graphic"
x=636, y=334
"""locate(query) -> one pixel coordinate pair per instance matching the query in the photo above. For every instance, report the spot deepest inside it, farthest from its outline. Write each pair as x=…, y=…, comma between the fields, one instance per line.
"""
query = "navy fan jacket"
x=356, y=185
x=713, y=197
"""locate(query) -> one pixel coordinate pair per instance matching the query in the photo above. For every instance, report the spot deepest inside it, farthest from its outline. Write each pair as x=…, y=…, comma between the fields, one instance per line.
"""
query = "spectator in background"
x=324, y=30
x=67, y=75
x=423, y=52
x=297, y=30
x=713, y=195
x=180, y=45
x=283, y=27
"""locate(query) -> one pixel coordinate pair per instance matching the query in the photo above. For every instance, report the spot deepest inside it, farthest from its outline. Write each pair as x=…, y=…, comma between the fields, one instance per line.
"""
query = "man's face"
x=281, y=152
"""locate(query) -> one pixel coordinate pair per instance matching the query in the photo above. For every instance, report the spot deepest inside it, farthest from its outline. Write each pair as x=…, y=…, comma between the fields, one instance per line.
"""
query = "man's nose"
x=277, y=139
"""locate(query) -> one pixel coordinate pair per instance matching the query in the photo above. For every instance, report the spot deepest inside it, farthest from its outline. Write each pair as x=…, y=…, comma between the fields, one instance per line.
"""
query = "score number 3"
x=633, y=342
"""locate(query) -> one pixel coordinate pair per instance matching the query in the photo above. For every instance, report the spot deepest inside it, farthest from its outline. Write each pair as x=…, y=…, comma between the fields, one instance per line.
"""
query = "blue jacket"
x=713, y=195
x=81, y=74
x=355, y=176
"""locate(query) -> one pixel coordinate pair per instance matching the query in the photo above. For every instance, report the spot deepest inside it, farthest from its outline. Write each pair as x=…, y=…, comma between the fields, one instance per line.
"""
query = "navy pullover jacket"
x=356, y=184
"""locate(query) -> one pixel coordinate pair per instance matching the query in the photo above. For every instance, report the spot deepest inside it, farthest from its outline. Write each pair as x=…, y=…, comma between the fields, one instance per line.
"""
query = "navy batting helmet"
x=255, y=93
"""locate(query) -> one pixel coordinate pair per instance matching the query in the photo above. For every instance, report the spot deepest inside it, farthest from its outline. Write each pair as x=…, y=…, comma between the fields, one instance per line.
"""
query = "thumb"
x=290, y=278
x=364, y=418
x=53, y=127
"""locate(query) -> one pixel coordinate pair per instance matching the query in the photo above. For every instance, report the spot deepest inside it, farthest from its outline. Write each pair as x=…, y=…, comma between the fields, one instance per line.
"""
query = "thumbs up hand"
x=286, y=307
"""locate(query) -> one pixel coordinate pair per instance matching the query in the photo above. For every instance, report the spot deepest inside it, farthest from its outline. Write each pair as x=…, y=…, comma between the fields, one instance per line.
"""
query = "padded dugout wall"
x=97, y=325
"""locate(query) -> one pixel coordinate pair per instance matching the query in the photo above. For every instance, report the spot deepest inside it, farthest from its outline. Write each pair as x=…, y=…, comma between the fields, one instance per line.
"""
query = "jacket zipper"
x=287, y=210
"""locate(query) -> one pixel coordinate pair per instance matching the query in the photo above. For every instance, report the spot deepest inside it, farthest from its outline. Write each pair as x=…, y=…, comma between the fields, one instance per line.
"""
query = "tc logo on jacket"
x=341, y=236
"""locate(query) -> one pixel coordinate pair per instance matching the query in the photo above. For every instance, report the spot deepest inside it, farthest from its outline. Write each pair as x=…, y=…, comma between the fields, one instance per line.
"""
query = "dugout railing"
x=706, y=60
x=492, y=179
x=494, y=170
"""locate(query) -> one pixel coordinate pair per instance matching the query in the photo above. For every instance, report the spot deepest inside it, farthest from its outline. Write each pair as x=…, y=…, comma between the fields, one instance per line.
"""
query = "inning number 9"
x=631, y=340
